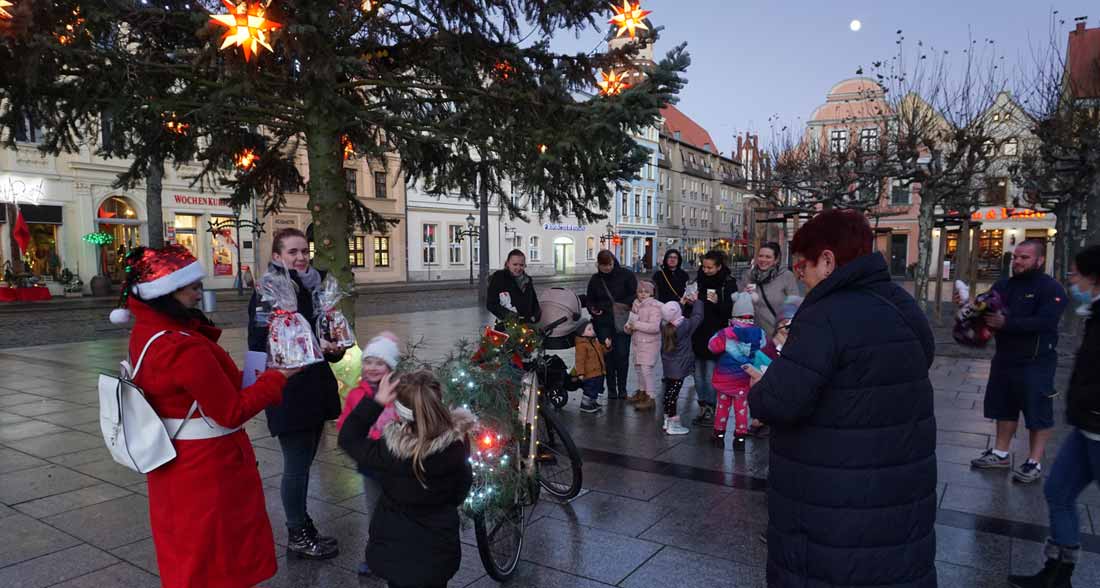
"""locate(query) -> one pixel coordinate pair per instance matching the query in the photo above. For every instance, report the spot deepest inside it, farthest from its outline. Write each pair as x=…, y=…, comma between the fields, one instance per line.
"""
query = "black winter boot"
x=317, y=536
x=1057, y=571
x=303, y=546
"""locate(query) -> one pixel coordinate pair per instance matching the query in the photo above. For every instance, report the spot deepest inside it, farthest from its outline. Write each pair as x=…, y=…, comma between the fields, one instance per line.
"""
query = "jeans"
x=704, y=373
x=1077, y=466
x=592, y=387
x=299, y=449
x=617, y=363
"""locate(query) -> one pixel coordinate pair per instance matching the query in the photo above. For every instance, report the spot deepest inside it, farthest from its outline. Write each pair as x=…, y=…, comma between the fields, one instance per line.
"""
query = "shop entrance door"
x=563, y=254
x=899, y=254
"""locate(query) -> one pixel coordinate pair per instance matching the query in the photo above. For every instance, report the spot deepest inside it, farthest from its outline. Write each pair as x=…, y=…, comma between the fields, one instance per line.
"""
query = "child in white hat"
x=739, y=345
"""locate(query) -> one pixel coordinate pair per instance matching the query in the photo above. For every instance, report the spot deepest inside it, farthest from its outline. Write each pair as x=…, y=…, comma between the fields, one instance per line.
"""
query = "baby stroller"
x=561, y=309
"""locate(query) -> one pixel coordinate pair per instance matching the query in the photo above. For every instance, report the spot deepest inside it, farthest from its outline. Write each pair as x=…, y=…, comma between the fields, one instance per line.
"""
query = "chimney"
x=1081, y=22
x=739, y=144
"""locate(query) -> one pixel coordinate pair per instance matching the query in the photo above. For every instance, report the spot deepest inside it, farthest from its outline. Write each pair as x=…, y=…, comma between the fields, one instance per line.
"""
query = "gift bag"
x=332, y=326
x=290, y=340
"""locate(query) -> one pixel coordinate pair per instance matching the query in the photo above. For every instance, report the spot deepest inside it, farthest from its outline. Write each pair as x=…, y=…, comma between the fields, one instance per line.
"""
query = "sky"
x=752, y=60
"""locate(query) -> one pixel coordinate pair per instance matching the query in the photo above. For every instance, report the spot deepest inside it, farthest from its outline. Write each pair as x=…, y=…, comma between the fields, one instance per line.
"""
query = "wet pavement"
x=655, y=510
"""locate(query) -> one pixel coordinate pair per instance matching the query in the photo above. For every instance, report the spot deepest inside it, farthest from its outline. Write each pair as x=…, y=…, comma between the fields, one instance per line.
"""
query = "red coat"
x=206, y=507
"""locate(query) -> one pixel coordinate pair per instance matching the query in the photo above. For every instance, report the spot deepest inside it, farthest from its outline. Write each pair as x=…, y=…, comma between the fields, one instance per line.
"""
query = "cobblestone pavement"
x=655, y=510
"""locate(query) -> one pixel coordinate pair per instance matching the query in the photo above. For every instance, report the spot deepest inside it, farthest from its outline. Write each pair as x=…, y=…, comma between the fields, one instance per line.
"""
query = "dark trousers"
x=592, y=387
x=618, y=365
x=299, y=449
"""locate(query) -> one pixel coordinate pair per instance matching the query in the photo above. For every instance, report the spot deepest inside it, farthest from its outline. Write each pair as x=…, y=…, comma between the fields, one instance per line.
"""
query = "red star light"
x=248, y=26
x=629, y=17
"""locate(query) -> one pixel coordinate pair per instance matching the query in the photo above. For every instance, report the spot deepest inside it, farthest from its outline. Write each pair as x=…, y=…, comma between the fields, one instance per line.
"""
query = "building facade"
x=639, y=211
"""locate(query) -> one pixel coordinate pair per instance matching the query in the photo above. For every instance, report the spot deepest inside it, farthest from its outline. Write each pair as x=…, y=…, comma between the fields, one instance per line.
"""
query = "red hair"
x=844, y=232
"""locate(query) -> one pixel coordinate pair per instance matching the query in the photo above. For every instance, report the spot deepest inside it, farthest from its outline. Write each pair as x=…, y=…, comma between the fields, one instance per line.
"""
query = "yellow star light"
x=246, y=159
x=248, y=27
x=4, y=13
x=613, y=83
x=629, y=17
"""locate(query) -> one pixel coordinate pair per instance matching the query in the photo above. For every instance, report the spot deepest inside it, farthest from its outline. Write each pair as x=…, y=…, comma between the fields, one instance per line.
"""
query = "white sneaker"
x=664, y=425
x=673, y=427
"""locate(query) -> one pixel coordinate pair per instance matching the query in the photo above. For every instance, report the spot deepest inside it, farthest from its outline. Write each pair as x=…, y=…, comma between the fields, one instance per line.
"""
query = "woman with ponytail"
x=422, y=463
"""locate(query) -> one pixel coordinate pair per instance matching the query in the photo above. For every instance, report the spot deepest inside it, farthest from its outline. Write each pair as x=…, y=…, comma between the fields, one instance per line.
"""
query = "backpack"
x=132, y=430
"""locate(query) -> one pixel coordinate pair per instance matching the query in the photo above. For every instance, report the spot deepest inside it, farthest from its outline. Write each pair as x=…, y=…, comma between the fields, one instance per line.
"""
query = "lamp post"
x=471, y=231
x=609, y=237
x=216, y=228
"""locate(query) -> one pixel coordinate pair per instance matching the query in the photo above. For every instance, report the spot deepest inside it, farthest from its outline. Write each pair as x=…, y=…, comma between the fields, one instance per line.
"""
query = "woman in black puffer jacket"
x=309, y=399
x=852, y=479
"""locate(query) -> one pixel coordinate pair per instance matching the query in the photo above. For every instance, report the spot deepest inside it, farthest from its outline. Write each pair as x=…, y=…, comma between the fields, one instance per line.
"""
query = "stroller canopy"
x=555, y=304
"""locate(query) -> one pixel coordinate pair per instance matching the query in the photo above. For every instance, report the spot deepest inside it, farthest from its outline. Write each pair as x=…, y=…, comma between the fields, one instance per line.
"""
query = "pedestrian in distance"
x=206, y=507
x=671, y=279
x=852, y=454
x=677, y=356
x=739, y=346
x=716, y=286
x=644, y=327
x=1021, y=375
x=380, y=358
x=310, y=400
x=609, y=297
x=512, y=291
x=590, y=365
x=422, y=463
x=1078, y=463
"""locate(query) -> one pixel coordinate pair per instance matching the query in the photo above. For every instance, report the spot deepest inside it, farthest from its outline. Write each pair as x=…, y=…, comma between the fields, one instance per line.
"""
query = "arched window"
x=590, y=248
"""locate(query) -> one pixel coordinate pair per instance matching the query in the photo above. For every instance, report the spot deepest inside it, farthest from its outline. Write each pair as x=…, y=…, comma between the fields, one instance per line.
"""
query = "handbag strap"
x=670, y=286
x=764, y=295
x=141, y=358
x=603, y=282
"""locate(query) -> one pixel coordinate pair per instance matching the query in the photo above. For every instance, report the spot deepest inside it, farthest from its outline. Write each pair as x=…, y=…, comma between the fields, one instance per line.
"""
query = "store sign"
x=558, y=227
x=16, y=190
x=632, y=232
x=990, y=214
x=206, y=201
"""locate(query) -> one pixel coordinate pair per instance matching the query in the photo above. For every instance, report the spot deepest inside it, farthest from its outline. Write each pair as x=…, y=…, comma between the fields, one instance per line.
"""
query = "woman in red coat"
x=206, y=507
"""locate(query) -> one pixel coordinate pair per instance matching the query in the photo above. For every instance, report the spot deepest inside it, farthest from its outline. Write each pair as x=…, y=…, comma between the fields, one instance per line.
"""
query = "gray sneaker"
x=990, y=461
x=589, y=406
x=1027, y=473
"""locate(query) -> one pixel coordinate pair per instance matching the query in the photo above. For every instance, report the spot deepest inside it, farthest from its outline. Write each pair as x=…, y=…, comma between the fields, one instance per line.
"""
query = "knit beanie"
x=647, y=286
x=384, y=347
x=742, y=305
x=671, y=312
x=789, y=308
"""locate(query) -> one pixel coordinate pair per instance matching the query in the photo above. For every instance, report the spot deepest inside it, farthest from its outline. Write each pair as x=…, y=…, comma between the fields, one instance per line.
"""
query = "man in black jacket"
x=1021, y=377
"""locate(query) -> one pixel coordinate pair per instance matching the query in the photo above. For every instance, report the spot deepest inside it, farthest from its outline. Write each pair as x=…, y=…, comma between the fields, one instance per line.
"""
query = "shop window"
x=427, y=239
x=357, y=251
x=351, y=181
x=454, y=244
x=223, y=246
x=380, y=185
x=381, y=252
x=534, y=252
x=118, y=217
x=41, y=256
x=187, y=226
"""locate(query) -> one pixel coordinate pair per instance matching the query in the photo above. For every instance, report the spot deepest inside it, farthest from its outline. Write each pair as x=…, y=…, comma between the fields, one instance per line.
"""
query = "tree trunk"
x=154, y=183
x=962, y=253
x=328, y=200
x=1092, y=212
x=926, y=219
x=941, y=252
x=483, y=242
x=1064, y=227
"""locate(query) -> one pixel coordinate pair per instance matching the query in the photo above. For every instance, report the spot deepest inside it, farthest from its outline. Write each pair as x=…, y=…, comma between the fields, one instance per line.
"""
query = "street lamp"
x=217, y=228
x=609, y=237
x=471, y=231
x=683, y=237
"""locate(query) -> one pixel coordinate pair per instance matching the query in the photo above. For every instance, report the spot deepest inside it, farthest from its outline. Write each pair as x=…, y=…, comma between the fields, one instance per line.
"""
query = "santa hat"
x=152, y=273
x=672, y=313
x=742, y=305
x=384, y=347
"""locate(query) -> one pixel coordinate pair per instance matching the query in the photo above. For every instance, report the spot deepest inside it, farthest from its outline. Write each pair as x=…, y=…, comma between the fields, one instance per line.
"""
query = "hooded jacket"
x=645, y=341
x=624, y=289
x=414, y=533
x=671, y=283
x=852, y=475
x=679, y=363
x=311, y=396
x=1083, y=398
x=716, y=315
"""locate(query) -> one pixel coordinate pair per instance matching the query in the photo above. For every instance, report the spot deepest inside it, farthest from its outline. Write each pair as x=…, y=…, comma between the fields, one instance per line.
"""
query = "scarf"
x=522, y=281
x=311, y=278
x=762, y=277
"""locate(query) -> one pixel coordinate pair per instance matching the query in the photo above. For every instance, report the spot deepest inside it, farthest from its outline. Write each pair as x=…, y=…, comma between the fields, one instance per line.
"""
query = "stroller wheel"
x=559, y=398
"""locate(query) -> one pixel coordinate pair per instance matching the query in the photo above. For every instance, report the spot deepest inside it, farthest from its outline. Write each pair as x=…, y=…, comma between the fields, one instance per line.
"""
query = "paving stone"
x=21, y=431
x=78, y=416
x=624, y=482
x=974, y=440
x=690, y=495
x=13, y=461
x=81, y=457
x=57, y=443
x=23, y=538
x=616, y=514
x=40, y=482
x=142, y=554
x=676, y=567
x=59, y=503
x=956, y=454
x=320, y=511
x=110, y=471
x=1028, y=558
x=956, y=576
x=7, y=418
x=120, y=575
x=107, y=525
x=965, y=547
x=530, y=575
x=55, y=567
x=584, y=551
x=1016, y=503
x=714, y=532
x=43, y=407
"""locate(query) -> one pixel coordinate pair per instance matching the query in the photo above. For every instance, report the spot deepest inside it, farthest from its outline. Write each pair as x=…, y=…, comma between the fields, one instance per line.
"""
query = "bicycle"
x=549, y=460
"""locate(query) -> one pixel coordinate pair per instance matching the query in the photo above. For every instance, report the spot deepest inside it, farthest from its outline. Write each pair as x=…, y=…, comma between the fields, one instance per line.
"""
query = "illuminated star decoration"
x=613, y=83
x=629, y=17
x=246, y=159
x=248, y=26
x=175, y=126
x=4, y=13
x=368, y=5
x=349, y=148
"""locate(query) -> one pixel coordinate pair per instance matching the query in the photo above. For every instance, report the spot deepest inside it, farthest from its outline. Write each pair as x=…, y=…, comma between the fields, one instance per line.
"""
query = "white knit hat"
x=742, y=305
x=384, y=347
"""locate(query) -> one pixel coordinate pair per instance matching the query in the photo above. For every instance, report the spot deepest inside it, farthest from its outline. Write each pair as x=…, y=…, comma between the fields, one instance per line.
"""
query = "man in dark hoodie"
x=716, y=285
x=611, y=284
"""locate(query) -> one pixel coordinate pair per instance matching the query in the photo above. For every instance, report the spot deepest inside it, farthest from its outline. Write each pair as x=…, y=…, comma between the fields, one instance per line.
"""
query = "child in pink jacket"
x=644, y=327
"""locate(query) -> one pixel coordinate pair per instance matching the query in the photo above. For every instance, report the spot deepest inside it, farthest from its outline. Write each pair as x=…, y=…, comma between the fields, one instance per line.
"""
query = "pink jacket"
x=645, y=342
x=359, y=394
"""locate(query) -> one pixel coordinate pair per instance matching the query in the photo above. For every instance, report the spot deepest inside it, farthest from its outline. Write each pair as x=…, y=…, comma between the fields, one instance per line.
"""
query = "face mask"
x=1081, y=296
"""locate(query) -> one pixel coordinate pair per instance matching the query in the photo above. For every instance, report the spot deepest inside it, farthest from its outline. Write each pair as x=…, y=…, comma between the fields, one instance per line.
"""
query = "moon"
x=855, y=25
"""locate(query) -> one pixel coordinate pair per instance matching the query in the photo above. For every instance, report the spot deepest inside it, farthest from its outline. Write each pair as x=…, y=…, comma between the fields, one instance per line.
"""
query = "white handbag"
x=135, y=435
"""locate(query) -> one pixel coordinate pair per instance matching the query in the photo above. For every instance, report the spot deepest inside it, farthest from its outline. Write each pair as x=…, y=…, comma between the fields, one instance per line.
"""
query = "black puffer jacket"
x=414, y=533
x=852, y=480
x=526, y=301
x=623, y=286
x=1083, y=399
x=716, y=315
x=671, y=282
x=312, y=396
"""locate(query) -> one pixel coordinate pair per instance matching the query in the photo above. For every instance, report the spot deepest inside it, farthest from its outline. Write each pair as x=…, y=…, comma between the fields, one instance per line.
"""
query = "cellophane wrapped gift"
x=332, y=326
x=290, y=340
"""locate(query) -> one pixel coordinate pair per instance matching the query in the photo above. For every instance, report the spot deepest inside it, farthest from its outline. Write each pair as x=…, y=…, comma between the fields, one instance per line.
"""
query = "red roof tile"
x=690, y=131
x=1083, y=61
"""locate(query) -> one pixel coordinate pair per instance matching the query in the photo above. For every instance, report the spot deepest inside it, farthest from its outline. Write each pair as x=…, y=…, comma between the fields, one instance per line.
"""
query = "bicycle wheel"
x=500, y=540
x=558, y=463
